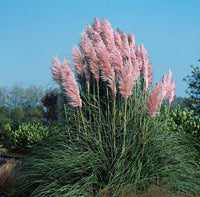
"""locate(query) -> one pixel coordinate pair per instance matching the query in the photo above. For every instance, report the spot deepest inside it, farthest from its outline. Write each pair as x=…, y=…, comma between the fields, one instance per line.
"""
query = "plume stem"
x=84, y=126
x=99, y=128
x=124, y=137
x=65, y=111
x=108, y=110
x=114, y=128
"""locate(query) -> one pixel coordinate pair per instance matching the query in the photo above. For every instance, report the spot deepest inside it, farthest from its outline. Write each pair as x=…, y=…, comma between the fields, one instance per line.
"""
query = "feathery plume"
x=168, y=87
x=77, y=60
x=127, y=79
x=56, y=69
x=125, y=49
x=172, y=92
x=84, y=44
x=96, y=25
x=116, y=60
x=146, y=67
x=108, y=73
x=139, y=60
x=91, y=57
x=132, y=41
x=69, y=85
x=118, y=41
x=155, y=99
x=132, y=45
x=165, y=86
x=107, y=35
x=92, y=34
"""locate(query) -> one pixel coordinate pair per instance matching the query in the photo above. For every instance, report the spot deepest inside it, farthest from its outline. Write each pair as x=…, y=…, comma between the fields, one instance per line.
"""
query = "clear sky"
x=33, y=31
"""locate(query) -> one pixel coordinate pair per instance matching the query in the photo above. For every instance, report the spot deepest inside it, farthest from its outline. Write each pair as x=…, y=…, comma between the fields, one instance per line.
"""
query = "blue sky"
x=33, y=31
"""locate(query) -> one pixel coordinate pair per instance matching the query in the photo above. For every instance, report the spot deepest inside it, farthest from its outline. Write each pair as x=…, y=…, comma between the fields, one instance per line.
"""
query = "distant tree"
x=193, y=90
x=50, y=101
x=32, y=97
x=4, y=117
x=178, y=101
x=15, y=96
x=17, y=117
x=3, y=93
x=19, y=104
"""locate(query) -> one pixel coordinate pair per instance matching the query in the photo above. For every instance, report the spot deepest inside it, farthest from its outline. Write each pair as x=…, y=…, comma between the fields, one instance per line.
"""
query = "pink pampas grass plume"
x=56, y=69
x=172, y=92
x=155, y=99
x=166, y=81
x=77, y=60
x=168, y=87
x=107, y=35
x=116, y=60
x=127, y=79
x=146, y=67
x=90, y=55
x=96, y=25
x=139, y=58
x=118, y=41
x=93, y=62
x=70, y=86
x=84, y=50
x=132, y=41
x=92, y=34
x=132, y=45
x=108, y=73
x=124, y=49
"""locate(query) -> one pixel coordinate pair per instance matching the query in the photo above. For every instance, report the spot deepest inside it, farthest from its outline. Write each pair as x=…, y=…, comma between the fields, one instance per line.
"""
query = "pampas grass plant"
x=115, y=140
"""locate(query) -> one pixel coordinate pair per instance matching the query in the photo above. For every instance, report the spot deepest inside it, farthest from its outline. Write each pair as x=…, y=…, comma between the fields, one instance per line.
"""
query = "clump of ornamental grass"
x=114, y=137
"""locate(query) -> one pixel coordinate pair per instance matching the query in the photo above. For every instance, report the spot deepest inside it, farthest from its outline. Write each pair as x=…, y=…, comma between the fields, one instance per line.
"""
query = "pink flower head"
x=125, y=49
x=92, y=34
x=91, y=56
x=108, y=73
x=118, y=41
x=107, y=35
x=77, y=60
x=86, y=72
x=155, y=99
x=85, y=50
x=168, y=87
x=132, y=45
x=116, y=60
x=132, y=41
x=127, y=79
x=165, y=86
x=146, y=67
x=56, y=69
x=96, y=25
x=139, y=58
x=70, y=86
x=172, y=92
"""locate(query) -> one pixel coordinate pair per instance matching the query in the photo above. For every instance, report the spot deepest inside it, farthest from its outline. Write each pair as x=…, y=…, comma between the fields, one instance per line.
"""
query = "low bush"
x=29, y=135
x=183, y=121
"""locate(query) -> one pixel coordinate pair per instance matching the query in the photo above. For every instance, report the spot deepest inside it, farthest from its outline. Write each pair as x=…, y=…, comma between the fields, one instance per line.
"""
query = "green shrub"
x=30, y=134
x=183, y=121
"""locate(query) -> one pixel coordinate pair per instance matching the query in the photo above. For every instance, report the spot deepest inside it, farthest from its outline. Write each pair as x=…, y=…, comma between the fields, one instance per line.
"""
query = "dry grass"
x=153, y=191
x=8, y=172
